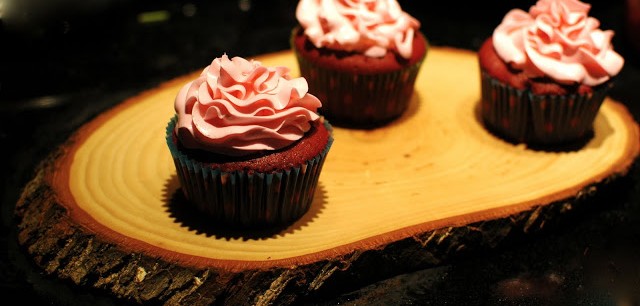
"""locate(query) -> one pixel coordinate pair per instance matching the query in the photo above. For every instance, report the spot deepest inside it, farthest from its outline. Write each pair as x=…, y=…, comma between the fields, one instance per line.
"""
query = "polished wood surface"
x=434, y=167
x=434, y=170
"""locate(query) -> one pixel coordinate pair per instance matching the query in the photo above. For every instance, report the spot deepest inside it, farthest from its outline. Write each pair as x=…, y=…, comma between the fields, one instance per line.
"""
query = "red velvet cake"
x=545, y=74
x=364, y=75
x=248, y=144
x=313, y=143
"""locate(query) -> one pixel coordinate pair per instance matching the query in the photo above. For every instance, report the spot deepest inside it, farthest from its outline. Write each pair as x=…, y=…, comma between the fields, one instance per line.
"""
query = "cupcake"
x=545, y=73
x=361, y=58
x=248, y=144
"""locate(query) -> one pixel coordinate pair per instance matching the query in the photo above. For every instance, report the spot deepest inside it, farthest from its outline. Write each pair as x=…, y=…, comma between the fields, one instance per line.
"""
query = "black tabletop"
x=63, y=62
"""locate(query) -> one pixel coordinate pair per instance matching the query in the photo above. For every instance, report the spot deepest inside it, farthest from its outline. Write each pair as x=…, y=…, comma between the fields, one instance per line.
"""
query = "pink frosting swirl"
x=368, y=26
x=559, y=40
x=238, y=107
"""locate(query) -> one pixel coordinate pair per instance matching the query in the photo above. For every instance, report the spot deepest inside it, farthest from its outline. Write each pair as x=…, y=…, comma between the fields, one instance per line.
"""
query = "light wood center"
x=434, y=167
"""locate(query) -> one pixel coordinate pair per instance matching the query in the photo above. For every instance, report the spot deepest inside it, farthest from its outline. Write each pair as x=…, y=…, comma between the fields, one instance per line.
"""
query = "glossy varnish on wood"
x=408, y=195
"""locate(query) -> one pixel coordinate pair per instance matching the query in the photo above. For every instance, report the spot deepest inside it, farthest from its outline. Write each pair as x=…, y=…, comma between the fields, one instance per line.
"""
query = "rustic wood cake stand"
x=105, y=211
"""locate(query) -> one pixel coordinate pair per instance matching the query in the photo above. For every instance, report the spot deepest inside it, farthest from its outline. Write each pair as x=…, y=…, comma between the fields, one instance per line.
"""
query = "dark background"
x=64, y=61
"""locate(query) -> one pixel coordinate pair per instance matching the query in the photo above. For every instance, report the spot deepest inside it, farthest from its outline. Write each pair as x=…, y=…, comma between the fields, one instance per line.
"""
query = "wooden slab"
x=105, y=211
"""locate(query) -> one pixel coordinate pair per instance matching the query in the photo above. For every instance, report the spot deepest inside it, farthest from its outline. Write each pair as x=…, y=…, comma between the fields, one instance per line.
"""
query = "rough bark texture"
x=68, y=251
x=68, y=248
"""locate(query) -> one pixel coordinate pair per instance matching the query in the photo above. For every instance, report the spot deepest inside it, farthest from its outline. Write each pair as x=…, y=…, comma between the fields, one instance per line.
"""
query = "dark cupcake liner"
x=360, y=100
x=564, y=119
x=520, y=116
x=248, y=199
x=504, y=109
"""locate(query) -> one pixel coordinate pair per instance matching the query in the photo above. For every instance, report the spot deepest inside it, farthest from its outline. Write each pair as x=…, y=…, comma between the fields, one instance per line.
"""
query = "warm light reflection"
x=153, y=16
x=244, y=5
x=45, y=102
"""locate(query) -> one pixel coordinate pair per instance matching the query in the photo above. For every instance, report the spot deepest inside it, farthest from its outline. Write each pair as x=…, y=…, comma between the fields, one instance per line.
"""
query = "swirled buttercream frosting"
x=238, y=107
x=372, y=27
x=558, y=39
